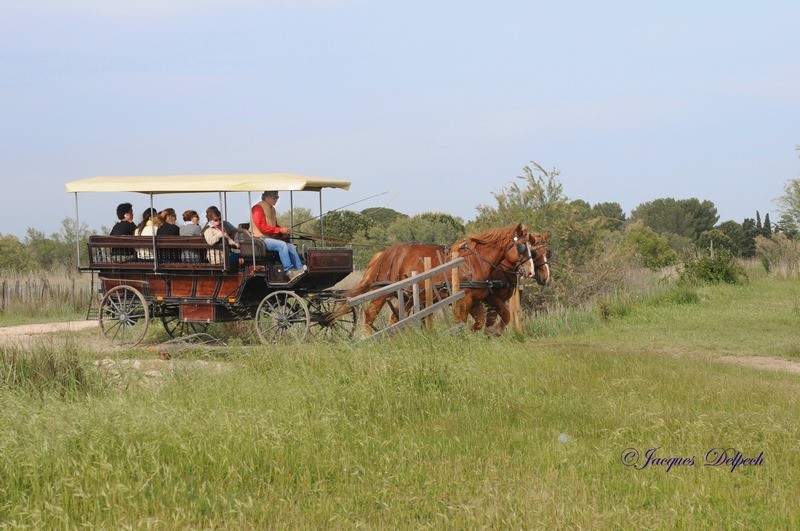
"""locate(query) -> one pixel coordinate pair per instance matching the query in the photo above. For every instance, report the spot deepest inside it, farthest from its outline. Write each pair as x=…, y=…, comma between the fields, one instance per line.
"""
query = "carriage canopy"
x=244, y=182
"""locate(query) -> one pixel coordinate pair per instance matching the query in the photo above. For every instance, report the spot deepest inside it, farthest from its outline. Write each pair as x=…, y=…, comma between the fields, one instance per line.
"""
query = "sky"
x=433, y=105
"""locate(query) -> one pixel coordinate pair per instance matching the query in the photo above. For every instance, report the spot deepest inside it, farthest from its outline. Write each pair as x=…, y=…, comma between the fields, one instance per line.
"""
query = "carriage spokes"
x=124, y=316
x=282, y=316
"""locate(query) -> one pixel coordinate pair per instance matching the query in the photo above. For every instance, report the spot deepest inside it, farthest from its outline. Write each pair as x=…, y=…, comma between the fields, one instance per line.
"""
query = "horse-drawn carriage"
x=187, y=284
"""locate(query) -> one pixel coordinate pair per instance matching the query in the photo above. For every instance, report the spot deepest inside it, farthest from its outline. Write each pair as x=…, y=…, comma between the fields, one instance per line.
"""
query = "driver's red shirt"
x=260, y=221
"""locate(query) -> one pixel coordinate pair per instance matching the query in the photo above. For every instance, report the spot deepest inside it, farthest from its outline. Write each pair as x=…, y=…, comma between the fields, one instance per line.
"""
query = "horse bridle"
x=521, y=247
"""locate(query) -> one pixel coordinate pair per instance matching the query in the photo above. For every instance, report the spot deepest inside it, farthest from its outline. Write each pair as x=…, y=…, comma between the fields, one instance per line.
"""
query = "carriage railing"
x=165, y=252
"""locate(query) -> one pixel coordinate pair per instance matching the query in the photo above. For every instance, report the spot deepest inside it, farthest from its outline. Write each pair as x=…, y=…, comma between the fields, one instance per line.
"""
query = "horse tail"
x=362, y=287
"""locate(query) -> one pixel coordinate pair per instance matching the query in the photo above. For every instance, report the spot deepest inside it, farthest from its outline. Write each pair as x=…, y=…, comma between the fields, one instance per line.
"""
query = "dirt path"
x=763, y=362
x=23, y=334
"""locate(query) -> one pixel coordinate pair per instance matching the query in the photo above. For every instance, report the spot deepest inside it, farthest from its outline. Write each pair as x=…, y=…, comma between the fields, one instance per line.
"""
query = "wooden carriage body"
x=186, y=281
x=176, y=276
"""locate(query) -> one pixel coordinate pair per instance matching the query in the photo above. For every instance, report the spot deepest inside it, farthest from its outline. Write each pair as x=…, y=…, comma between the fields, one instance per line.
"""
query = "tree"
x=735, y=234
x=750, y=232
x=653, y=249
x=611, y=213
x=344, y=225
x=786, y=225
x=382, y=216
x=789, y=202
x=538, y=201
x=685, y=217
x=759, y=227
x=302, y=220
x=430, y=227
x=13, y=254
x=766, y=231
x=715, y=239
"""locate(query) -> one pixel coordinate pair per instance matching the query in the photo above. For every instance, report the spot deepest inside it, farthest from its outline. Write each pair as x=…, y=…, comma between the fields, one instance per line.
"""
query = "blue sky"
x=440, y=103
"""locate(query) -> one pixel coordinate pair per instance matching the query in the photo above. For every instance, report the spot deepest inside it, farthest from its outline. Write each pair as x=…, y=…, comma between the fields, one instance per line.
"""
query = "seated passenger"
x=191, y=227
x=264, y=225
x=168, y=228
x=213, y=211
x=214, y=235
x=125, y=226
x=191, y=224
x=145, y=228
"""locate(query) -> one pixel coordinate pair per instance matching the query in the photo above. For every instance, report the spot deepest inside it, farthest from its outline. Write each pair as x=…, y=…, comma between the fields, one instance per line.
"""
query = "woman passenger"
x=214, y=234
x=169, y=228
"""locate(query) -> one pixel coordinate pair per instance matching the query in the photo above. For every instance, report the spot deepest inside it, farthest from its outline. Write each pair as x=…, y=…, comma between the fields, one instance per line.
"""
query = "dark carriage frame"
x=172, y=278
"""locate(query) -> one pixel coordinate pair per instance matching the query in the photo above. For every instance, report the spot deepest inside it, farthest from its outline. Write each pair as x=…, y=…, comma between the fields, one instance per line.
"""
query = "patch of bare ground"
x=764, y=362
x=155, y=369
x=22, y=334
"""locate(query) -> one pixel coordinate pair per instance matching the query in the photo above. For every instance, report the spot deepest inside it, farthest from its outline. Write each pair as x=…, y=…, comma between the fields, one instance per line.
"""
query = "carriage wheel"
x=321, y=309
x=177, y=328
x=282, y=316
x=124, y=316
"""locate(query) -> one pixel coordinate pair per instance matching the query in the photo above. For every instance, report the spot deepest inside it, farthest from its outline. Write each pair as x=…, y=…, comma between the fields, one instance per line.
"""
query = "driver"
x=264, y=225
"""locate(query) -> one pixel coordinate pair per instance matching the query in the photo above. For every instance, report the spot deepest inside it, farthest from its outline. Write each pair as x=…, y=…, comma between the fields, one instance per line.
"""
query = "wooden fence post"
x=415, y=293
x=456, y=280
x=426, y=264
x=516, y=310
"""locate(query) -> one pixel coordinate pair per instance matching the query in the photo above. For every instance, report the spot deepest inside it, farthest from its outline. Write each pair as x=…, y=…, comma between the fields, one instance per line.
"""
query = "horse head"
x=540, y=254
x=521, y=252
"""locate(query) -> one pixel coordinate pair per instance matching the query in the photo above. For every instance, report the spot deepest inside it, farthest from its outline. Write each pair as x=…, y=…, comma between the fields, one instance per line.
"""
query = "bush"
x=713, y=268
x=653, y=250
x=779, y=255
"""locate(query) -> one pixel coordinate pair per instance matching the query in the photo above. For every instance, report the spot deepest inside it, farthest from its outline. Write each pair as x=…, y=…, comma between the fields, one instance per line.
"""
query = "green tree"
x=652, y=249
x=538, y=201
x=786, y=225
x=430, y=227
x=716, y=239
x=766, y=230
x=382, y=216
x=735, y=233
x=305, y=221
x=611, y=213
x=344, y=225
x=14, y=254
x=750, y=232
x=789, y=202
x=685, y=217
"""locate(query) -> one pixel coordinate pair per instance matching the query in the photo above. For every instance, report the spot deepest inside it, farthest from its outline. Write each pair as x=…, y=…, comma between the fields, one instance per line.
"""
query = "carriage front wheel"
x=124, y=316
x=282, y=316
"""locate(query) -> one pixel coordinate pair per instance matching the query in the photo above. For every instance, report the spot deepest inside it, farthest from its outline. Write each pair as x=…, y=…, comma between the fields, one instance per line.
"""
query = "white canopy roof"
x=170, y=184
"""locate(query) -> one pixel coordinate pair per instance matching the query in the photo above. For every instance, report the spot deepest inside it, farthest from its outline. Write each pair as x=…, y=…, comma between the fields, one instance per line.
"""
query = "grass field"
x=425, y=429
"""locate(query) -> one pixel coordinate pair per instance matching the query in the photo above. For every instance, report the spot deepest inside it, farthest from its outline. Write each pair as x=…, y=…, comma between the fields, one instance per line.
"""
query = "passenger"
x=145, y=227
x=213, y=211
x=191, y=227
x=125, y=226
x=214, y=233
x=264, y=225
x=168, y=228
x=191, y=224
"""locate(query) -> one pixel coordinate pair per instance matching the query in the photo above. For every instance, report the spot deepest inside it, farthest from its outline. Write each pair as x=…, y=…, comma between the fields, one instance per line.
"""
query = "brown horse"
x=497, y=300
x=498, y=253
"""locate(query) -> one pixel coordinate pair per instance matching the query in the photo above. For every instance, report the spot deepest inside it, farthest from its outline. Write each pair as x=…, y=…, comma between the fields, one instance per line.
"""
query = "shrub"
x=712, y=268
x=653, y=250
x=779, y=255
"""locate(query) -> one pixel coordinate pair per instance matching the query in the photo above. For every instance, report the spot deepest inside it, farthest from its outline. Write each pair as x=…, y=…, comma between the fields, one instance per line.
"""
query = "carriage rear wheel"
x=282, y=316
x=323, y=326
x=124, y=316
x=177, y=328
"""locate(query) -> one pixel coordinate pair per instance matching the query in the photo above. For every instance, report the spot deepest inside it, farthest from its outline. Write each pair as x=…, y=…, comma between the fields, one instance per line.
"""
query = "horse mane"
x=499, y=236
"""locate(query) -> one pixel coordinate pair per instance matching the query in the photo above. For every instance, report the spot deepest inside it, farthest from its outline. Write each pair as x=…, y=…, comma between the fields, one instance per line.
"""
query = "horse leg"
x=478, y=313
x=500, y=306
x=371, y=313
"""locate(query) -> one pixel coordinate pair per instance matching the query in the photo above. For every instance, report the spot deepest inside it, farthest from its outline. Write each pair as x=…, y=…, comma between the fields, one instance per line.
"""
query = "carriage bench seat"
x=173, y=252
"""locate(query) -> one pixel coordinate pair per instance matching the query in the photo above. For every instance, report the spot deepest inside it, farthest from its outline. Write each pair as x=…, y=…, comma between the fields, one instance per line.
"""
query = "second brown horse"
x=493, y=261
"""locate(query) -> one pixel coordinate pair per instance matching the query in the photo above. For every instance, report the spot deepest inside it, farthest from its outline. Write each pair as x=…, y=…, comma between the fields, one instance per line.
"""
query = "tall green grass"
x=426, y=429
